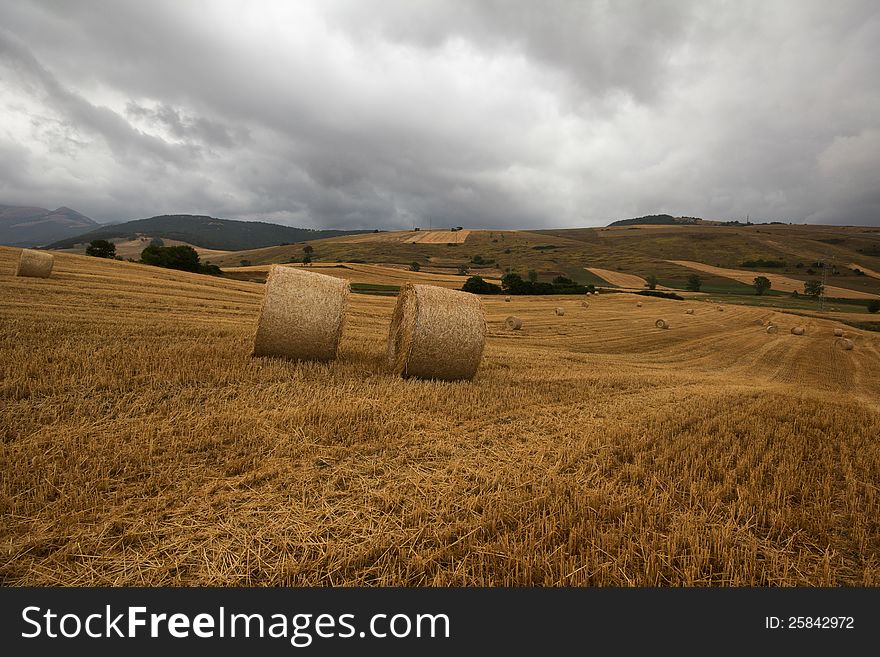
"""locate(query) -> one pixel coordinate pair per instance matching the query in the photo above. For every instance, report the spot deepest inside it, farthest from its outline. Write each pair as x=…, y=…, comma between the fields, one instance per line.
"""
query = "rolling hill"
x=32, y=226
x=203, y=231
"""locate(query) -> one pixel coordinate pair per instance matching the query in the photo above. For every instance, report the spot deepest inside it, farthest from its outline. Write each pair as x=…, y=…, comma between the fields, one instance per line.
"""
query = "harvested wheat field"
x=143, y=445
x=621, y=279
x=780, y=283
x=408, y=237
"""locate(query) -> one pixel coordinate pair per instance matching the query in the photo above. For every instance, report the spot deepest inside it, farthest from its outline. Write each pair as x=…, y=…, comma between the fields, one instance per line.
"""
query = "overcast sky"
x=484, y=114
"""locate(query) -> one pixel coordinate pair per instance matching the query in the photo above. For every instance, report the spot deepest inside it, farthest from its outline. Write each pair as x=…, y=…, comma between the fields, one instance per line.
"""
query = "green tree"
x=694, y=283
x=761, y=284
x=307, y=259
x=245, y=263
x=414, y=266
x=181, y=257
x=463, y=270
x=476, y=285
x=533, y=276
x=308, y=249
x=477, y=260
x=813, y=288
x=101, y=249
x=651, y=281
x=874, y=306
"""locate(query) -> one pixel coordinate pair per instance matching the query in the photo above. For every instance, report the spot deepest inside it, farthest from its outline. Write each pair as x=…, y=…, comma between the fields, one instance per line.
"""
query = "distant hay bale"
x=507, y=299
x=721, y=309
x=759, y=322
x=37, y=264
x=798, y=330
x=771, y=329
x=661, y=324
x=436, y=333
x=838, y=333
x=846, y=344
x=585, y=304
x=638, y=304
x=513, y=322
x=560, y=311
x=689, y=311
x=301, y=315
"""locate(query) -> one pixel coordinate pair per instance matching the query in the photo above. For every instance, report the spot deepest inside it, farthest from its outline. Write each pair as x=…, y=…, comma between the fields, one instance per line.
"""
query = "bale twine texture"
x=301, y=315
x=661, y=323
x=513, y=322
x=436, y=333
x=37, y=264
x=798, y=330
x=838, y=333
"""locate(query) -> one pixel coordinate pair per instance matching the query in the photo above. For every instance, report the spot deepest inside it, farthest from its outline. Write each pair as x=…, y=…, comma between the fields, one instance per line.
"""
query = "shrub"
x=463, y=270
x=181, y=257
x=661, y=294
x=476, y=285
x=651, y=281
x=813, y=288
x=874, y=306
x=414, y=266
x=101, y=249
x=694, y=283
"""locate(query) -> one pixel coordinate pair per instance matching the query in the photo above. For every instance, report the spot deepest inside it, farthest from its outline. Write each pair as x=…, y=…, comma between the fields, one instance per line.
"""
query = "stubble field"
x=142, y=445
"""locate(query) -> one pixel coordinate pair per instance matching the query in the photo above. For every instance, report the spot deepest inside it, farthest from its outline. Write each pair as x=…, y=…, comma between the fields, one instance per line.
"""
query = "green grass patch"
x=376, y=289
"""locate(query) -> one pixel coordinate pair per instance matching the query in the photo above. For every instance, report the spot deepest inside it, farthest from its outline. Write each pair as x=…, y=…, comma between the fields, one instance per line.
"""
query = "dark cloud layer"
x=490, y=114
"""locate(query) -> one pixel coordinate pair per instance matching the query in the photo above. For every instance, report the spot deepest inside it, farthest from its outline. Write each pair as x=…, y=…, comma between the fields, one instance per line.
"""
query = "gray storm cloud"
x=485, y=114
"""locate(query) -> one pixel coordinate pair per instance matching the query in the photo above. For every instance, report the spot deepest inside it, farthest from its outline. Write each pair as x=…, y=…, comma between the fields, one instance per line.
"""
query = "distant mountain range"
x=203, y=231
x=30, y=226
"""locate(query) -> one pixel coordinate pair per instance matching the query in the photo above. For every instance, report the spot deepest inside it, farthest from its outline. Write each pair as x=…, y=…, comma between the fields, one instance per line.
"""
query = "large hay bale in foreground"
x=301, y=315
x=846, y=344
x=838, y=333
x=560, y=311
x=661, y=323
x=772, y=329
x=513, y=322
x=436, y=333
x=37, y=264
x=798, y=330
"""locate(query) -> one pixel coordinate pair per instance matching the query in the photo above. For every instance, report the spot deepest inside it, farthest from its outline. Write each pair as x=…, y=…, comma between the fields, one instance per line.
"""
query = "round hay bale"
x=559, y=311
x=661, y=324
x=585, y=304
x=507, y=299
x=759, y=322
x=689, y=311
x=838, y=333
x=436, y=333
x=798, y=330
x=638, y=304
x=513, y=322
x=721, y=309
x=37, y=264
x=846, y=344
x=301, y=315
x=772, y=329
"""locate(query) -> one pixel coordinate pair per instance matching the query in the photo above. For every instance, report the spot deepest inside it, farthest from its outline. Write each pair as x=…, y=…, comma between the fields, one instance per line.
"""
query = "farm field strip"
x=780, y=283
